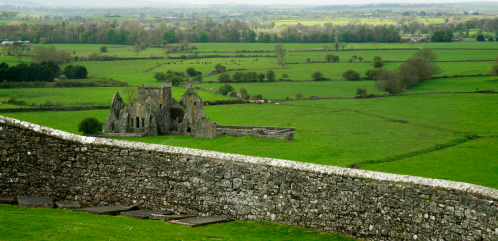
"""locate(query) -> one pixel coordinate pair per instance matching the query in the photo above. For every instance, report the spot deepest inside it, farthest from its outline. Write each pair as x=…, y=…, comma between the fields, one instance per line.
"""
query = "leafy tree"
x=431, y=57
x=75, y=72
x=377, y=58
x=490, y=39
x=90, y=125
x=224, y=89
x=308, y=60
x=354, y=57
x=442, y=35
x=237, y=76
x=389, y=82
x=175, y=80
x=335, y=58
x=224, y=77
x=494, y=67
x=198, y=78
x=360, y=58
x=361, y=92
x=317, y=75
x=373, y=74
x=299, y=95
x=169, y=36
x=285, y=76
x=351, y=75
x=261, y=76
x=480, y=38
x=160, y=76
x=191, y=71
x=203, y=37
x=343, y=45
x=378, y=63
x=422, y=66
x=270, y=75
x=329, y=57
x=103, y=49
x=220, y=68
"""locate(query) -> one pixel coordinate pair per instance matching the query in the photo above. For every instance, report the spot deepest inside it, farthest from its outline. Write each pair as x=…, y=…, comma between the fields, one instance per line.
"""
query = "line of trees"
x=419, y=67
x=249, y=76
x=44, y=71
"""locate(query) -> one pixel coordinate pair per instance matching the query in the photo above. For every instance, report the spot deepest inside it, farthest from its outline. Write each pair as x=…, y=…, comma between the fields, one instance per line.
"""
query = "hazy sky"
x=316, y=2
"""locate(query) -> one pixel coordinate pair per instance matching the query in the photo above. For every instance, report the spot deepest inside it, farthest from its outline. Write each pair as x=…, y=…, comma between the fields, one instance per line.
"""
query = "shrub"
x=317, y=75
x=299, y=95
x=90, y=125
x=95, y=57
x=270, y=75
x=373, y=74
x=261, y=76
x=361, y=92
x=103, y=49
x=160, y=76
x=75, y=72
x=191, y=71
x=378, y=63
x=224, y=89
x=224, y=77
x=480, y=38
x=351, y=75
x=175, y=80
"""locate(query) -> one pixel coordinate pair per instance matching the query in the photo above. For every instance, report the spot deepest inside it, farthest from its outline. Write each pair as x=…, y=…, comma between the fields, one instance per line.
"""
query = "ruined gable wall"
x=37, y=160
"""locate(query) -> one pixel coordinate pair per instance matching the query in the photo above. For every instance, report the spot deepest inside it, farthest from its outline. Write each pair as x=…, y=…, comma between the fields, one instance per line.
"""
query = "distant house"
x=6, y=42
x=416, y=38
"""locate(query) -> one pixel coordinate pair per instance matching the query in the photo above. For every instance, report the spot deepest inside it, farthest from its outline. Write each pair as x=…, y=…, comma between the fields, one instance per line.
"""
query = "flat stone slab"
x=7, y=200
x=66, y=204
x=107, y=210
x=35, y=202
x=169, y=217
x=144, y=214
x=199, y=221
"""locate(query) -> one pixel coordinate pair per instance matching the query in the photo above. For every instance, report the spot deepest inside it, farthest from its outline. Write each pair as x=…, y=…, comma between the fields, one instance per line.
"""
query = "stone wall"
x=37, y=160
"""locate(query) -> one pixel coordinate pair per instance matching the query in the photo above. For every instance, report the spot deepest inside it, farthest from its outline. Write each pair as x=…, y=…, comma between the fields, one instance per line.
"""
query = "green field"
x=394, y=134
x=84, y=95
x=58, y=224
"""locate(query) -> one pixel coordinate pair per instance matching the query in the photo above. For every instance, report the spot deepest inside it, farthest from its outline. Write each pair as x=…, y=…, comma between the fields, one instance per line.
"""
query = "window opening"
x=188, y=129
x=138, y=122
x=143, y=122
x=131, y=122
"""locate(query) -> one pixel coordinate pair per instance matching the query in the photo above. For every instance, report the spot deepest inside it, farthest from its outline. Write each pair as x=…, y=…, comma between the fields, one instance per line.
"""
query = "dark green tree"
x=90, y=125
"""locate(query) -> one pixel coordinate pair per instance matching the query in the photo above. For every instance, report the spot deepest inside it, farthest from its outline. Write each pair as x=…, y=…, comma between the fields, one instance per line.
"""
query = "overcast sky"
x=316, y=2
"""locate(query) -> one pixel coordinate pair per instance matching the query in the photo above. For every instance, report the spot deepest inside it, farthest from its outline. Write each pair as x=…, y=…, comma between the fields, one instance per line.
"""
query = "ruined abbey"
x=155, y=112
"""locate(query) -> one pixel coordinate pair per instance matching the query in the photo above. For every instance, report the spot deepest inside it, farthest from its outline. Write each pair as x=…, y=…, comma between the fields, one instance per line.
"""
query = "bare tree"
x=130, y=92
x=17, y=49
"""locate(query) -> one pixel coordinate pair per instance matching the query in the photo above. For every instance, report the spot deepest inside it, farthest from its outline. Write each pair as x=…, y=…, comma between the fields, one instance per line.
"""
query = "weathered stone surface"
x=144, y=214
x=7, y=200
x=169, y=217
x=37, y=160
x=67, y=204
x=107, y=210
x=35, y=202
x=199, y=221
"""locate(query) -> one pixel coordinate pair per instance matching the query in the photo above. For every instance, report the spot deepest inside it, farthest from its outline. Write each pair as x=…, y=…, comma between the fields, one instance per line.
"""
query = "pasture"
x=44, y=224
x=84, y=95
x=398, y=134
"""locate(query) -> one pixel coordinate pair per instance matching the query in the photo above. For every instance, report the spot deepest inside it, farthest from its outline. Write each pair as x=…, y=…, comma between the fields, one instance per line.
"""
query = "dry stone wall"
x=37, y=160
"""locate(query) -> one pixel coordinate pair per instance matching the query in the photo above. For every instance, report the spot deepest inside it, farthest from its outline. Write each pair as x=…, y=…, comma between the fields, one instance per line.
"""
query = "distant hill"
x=21, y=3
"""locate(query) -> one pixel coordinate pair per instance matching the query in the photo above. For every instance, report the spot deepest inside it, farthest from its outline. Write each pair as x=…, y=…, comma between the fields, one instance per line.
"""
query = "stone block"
x=107, y=210
x=35, y=202
x=144, y=214
x=67, y=204
x=199, y=221
x=169, y=217
x=7, y=200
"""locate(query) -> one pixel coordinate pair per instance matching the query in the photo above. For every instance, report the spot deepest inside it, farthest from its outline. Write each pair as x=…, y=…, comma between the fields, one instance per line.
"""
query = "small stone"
x=415, y=236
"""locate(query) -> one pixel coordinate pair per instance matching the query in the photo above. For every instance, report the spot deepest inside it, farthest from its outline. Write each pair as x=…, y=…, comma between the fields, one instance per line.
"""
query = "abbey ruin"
x=155, y=112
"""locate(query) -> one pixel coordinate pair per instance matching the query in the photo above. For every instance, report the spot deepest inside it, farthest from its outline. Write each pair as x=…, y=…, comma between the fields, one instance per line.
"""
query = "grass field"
x=457, y=84
x=281, y=90
x=46, y=224
x=83, y=96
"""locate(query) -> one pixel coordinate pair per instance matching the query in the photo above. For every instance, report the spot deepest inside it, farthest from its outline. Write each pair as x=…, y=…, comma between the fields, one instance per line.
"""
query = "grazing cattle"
x=262, y=101
x=206, y=104
x=269, y=101
x=245, y=86
x=277, y=103
x=257, y=102
x=248, y=102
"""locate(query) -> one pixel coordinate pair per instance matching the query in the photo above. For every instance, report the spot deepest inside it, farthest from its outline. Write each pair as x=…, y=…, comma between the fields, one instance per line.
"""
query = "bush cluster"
x=249, y=76
x=75, y=72
x=44, y=71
